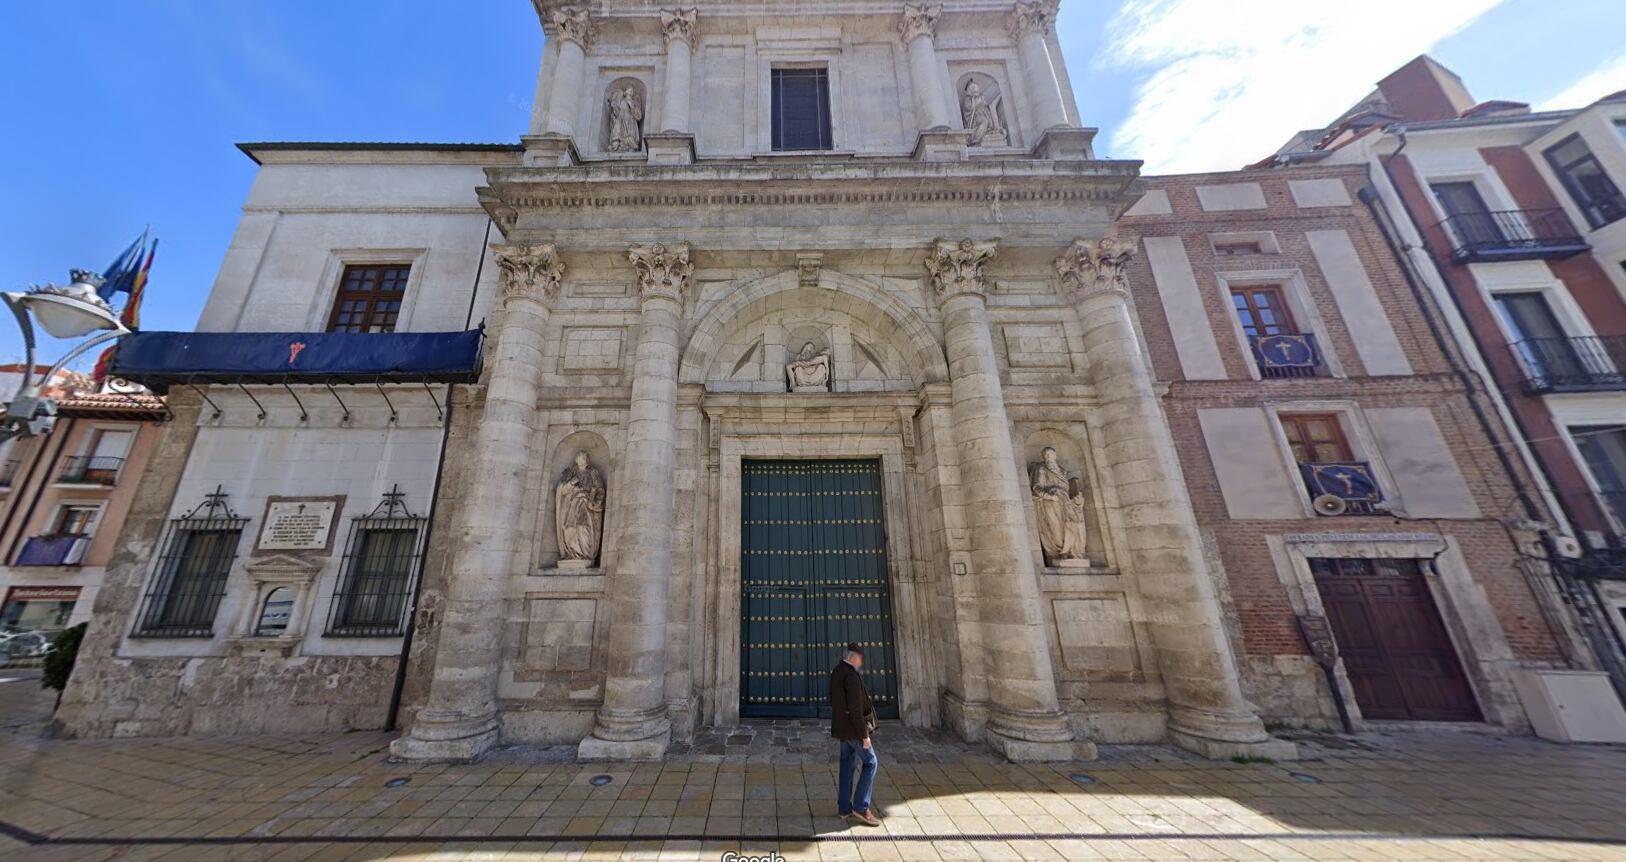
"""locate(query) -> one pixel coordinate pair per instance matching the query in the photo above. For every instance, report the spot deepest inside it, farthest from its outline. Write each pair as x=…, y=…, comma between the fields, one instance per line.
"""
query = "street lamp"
x=63, y=312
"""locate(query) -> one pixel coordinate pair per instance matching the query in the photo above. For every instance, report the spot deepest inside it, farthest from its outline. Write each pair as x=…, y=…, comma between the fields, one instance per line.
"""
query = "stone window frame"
x=1300, y=304
x=1482, y=649
x=1485, y=180
x=333, y=268
x=1560, y=301
x=821, y=57
x=1588, y=410
x=1357, y=433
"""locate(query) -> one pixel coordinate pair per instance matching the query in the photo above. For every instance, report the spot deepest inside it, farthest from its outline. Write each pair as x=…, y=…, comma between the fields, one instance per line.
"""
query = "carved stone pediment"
x=283, y=569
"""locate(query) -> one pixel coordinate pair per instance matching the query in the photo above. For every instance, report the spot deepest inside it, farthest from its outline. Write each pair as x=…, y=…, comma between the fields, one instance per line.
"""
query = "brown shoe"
x=866, y=818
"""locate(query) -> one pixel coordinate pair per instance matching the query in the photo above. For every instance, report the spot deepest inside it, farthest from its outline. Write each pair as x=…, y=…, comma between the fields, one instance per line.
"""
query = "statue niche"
x=810, y=370
x=578, y=513
x=624, y=116
x=982, y=111
x=1059, y=503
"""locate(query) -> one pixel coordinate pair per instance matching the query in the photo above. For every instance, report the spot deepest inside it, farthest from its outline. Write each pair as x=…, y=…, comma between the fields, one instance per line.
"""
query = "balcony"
x=1351, y=482
x=63, y=550
x=8, y=472
x=1588, y=364
x=90, y=470
x=1488, y=237
x=1279, y=356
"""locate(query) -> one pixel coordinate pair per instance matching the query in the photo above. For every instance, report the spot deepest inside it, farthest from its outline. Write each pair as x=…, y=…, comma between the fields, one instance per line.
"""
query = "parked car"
x=19, y=646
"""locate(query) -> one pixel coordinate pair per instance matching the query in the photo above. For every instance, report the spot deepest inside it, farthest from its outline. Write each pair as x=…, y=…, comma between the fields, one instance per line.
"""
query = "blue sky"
x=123, y=113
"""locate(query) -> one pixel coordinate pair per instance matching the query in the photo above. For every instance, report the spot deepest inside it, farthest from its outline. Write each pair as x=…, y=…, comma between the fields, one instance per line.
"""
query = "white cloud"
x=1602, y=81
x=1230, y=82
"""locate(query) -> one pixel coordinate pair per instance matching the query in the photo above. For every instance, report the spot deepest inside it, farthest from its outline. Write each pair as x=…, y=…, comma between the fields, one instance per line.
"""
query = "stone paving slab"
x=1448, y=796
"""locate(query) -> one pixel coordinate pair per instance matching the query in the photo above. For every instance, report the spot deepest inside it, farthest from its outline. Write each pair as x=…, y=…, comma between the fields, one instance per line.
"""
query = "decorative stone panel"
x=1036, y=345
x=559, y=634
x=1095, y=634
x=590, y=348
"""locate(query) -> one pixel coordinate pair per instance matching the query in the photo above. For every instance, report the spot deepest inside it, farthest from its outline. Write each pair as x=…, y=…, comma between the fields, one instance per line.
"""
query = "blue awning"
x=162, y=359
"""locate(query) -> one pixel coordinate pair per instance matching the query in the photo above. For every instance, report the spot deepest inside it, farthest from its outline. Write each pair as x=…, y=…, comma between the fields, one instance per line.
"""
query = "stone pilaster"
x=632, y=724
x=573, y=27
x=678, y=26
x=459, y=719
x=1030, y=23
x=918, y=29
x=1025, y=719
x=1207, y=712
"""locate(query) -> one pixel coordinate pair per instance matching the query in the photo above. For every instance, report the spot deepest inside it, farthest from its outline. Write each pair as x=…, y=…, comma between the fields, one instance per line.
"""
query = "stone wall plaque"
x=298, y=524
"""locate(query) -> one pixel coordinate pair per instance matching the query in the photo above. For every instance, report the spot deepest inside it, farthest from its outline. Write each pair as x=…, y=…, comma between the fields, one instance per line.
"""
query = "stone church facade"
x=803, y=328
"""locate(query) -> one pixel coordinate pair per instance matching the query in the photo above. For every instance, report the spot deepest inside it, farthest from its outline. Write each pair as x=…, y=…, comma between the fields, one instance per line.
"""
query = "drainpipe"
x=1605, y=644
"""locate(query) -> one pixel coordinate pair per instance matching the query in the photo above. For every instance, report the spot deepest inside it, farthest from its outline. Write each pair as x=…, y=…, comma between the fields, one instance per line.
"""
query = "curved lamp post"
x=63, y=312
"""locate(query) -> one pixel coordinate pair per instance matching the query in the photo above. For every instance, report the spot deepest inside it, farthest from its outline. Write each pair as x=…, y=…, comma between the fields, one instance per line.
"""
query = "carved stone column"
x=632, y=724
x=1029, y=23
x=678, y=25
x=1025, y=721
x=918, y=29
x=573, y=27
x=459, y=720
x=1207, y=712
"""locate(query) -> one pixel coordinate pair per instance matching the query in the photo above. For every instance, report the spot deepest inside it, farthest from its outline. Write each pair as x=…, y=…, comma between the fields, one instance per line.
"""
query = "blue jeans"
x=849, y=799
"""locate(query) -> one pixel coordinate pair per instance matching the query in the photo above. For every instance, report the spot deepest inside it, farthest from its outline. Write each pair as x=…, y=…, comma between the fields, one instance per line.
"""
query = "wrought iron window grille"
x=379, y=571
x=190, y=577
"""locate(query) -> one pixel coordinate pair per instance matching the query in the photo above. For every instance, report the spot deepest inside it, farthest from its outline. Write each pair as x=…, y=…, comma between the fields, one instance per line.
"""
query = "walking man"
x=852, y=720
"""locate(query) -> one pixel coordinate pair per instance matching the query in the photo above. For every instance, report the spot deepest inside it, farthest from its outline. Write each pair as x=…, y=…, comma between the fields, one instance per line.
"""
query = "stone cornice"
x=594, y=186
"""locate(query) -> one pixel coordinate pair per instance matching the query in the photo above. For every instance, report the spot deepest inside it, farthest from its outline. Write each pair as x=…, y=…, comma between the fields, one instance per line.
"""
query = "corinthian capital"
x=956, y=267
x=1032, y=17
x=1089, y=266
x=530, y=272
x=663, y=270
x=919, y=20
x=679, y=24
x=574, y=24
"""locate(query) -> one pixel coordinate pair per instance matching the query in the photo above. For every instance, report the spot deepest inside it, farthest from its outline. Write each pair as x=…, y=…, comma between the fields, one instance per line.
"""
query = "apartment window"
x=1589, y=185
x=101, y=461
x=1263, y=310
x=1469, y=218
x=190, y=578
x=75, y=520
x=1546, y=351
x=1316, y=438
x=1603, y=448
x=801, y=109
x=369, y=298
x=1238, y=247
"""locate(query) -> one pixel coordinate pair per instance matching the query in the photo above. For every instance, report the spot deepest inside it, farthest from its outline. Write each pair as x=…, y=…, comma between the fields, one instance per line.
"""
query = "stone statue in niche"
x=1058, y=500
x=810, y=370
x=981, y=117
x=578, y=513
x=626, y=120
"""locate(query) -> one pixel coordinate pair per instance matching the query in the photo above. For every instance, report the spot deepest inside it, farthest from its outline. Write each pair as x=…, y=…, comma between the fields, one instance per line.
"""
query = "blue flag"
x=121, y=276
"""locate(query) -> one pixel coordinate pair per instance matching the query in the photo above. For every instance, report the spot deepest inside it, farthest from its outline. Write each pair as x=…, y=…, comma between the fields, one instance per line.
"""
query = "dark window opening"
x=801, y=109
x=369, y=298
x=1589, y=185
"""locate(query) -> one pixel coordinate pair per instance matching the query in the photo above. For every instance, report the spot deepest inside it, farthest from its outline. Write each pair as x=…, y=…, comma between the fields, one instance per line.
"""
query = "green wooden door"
x=814, y=578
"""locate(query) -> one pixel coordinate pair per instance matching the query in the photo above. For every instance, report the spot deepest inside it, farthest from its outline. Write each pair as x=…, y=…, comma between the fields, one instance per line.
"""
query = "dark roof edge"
x=249, y=148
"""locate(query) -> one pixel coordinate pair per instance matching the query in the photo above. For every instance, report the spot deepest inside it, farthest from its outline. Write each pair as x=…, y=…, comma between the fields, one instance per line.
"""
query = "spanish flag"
x=131, y=315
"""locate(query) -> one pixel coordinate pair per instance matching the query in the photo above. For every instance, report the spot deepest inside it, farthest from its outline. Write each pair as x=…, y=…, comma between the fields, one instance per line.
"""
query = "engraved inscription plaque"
x=297, y=525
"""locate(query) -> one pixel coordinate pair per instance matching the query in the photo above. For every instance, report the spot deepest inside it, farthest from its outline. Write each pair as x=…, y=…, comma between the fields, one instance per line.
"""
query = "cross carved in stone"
x=1094, y=265
x=530, y=271
x=663, y=270
x=679, y=24
x=575, y=24
x=919, y=19
x=956, y=267
x=1032, y=17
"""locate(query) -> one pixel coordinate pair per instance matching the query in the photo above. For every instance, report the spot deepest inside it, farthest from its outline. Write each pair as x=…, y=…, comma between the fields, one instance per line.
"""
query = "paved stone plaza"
x=1412, y=796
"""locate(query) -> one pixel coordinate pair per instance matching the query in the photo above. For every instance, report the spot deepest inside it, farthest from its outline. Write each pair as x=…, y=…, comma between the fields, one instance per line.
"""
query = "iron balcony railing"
x=90, y=470
x=1513, y=235
x=1584, y=364
x=8, y=472
x=1286, y=355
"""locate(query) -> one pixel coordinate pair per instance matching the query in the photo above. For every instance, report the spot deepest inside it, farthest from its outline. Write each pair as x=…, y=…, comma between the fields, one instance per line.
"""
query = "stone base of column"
x=639, y=737
x=445, y=736
x=1066, y=142
x=670, y=148
x=942, y=145
x=1035, y=737
x=1223, y=735
x=550, y=151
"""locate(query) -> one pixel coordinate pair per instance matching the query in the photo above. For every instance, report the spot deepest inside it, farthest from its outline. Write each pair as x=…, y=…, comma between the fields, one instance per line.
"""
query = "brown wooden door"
x=1396, y=651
